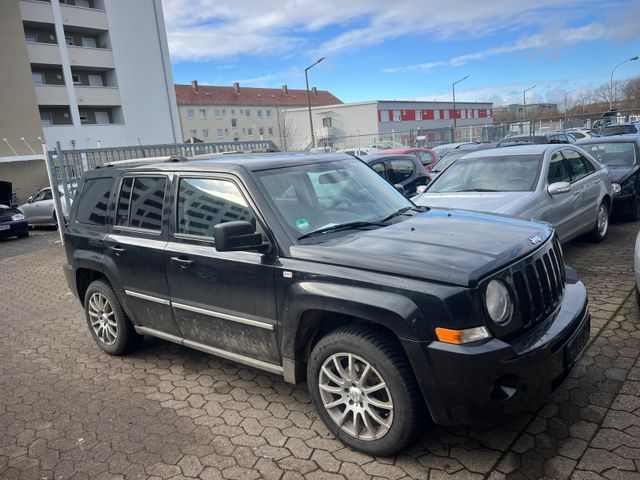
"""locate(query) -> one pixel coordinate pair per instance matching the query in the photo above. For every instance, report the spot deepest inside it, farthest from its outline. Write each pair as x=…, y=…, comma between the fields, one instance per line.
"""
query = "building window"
x=234, y=122
x=76, y=79
x=247, y=113
x=219, y=133
x=270, y=129
x=217, y=113
x=259, y=113
x=233, y=112
x=436, y=114
x=205, y=133
x=241, y=112
x=69, y=41
x=190, y=113
x=226, y=131
x=261, y=131
x=326, y=122
x=38, y=78
x=194, y=133
x=84, y=117
x=396, y=115
x=418, y=114
x=30, y=38
x=46, y=119
x=250, y=132
x=224, y=112
x=244, y=131
x=268, y=112
x=203, y=113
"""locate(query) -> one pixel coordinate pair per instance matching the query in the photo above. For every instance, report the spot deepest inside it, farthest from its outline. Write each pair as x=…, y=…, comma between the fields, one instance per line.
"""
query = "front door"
x=40, y=208
x=135, y=247
x=223, y=300
x=559, y=210
x=581, y=179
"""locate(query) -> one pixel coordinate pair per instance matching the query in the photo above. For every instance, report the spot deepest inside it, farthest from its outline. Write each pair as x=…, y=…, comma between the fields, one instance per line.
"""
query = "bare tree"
x=288, y=131
x=631, y=93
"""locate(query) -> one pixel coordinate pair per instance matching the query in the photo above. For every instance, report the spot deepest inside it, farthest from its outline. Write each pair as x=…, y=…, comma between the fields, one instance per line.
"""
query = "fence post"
x=54, y=192
x=65, y=178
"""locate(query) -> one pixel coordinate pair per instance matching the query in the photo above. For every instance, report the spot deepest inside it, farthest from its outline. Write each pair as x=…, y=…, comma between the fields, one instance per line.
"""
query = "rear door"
x=135, y=248
x=582, y=182
x=223, y=300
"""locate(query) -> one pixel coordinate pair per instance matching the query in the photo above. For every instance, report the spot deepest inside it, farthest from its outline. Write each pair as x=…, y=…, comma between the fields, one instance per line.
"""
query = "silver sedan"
x=558, y=184
x=40, y=210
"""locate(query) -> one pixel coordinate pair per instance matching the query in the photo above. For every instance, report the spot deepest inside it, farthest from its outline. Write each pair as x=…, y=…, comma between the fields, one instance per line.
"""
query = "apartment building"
x=350, y=125
x=85, y=73
x=235, y=113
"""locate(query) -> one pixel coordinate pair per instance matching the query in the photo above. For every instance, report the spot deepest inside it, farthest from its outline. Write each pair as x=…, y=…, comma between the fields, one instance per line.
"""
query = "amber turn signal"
x=459, y=337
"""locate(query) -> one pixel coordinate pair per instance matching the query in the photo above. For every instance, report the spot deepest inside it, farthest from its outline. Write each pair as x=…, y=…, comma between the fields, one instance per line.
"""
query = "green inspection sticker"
x=302, y=224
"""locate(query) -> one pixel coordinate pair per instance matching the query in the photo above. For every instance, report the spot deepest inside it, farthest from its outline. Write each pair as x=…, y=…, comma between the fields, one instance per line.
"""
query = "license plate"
x=5, y=227
x=576, y=345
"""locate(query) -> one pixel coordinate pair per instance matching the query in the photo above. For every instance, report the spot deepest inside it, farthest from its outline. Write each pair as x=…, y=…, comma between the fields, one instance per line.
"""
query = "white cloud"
x=217, y=29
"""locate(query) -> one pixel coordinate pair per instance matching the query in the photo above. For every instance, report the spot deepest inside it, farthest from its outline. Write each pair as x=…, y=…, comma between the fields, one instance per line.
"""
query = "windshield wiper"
x=340, y=226
x=396, y=213
x=478, y=190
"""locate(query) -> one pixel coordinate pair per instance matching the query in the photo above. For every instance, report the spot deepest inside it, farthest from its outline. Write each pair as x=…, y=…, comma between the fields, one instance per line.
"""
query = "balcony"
x=45, y=53
x=36, y=11
x=97, y=96
x=50, y=95
x=91, y=57
x=91, y=18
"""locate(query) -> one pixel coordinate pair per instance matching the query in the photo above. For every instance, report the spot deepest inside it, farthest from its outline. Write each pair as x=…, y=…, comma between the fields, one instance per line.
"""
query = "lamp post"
x=453, y=90
x=632, y=59
x=524, y=106
x=306, y=79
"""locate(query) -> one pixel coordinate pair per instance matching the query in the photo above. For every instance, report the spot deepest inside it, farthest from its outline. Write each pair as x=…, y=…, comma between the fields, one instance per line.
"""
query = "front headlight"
x=498, y=302
x=17, y=216
x=616, y=188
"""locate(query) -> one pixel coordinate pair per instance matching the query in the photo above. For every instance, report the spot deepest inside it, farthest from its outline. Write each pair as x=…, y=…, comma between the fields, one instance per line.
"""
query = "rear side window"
x=140, y=203
x=93, y=201
x=558, y=171
x=578, y=167
x=401, y=170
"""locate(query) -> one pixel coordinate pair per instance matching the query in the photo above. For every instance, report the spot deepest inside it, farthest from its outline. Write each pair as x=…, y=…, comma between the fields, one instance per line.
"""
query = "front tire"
x=108, y=324
x=364, y=389
x=600, y=229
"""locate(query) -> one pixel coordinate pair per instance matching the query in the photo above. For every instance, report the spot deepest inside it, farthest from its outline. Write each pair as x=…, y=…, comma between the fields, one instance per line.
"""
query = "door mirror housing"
x=235, y=236
x=421, y=188
x=559, y=187
x=30, y=200
x=399, y=188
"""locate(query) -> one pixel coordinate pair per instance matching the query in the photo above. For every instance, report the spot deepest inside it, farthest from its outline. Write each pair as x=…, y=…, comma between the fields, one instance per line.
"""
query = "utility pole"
x=632, y=59
x=306, y=79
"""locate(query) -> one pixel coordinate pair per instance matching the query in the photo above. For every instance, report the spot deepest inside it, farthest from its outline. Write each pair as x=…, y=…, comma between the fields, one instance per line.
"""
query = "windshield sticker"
x=302, y=224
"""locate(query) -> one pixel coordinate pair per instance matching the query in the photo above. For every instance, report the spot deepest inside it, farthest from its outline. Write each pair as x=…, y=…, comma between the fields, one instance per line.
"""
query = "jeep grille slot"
x=539, y=283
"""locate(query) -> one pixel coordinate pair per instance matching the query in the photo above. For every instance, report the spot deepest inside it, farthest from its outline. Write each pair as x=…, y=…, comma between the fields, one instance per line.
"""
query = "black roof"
x=628, y=138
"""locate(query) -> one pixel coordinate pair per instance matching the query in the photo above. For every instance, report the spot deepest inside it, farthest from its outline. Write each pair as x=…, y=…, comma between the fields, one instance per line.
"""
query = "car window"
x=614, y=154
x=588, y=164
x=576, y=163
x=577, y=135
x=426, y=158
x=558, y=169
x=140, y=203
x=400, y=170
x=43, y=195
x=205, y=202
x=379, y=168
x=93, y=201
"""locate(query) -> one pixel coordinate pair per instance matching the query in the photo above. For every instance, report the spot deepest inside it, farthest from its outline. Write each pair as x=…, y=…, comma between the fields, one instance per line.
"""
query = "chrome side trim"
x=224, y=316
x=235, y=357
x=150, y=298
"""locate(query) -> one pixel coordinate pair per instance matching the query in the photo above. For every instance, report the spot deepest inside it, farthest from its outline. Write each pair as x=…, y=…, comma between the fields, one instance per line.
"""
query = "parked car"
x=538, y=139
x=12, y=223
x=313, y=267
x=40, y=209
x=405, y=170
x=453, y=155
x=358, y=152
x=620, y=129
x=580, y=133
x=622, y=155
x=559, y=184
x=442, y=150
x=426, y=156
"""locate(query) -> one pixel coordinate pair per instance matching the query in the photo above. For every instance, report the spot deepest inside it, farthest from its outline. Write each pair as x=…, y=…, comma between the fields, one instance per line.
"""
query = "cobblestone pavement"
x=38, y=239
x=69, y=411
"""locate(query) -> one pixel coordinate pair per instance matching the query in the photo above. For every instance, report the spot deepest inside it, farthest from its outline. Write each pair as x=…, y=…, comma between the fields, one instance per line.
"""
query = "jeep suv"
x=312, y=266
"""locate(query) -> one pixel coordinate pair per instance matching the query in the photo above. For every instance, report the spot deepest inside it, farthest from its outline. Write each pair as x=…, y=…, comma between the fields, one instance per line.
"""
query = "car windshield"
x=329, y=195
x=447, y=160
x=510, y=173
x=613, y=154
x=617, y=130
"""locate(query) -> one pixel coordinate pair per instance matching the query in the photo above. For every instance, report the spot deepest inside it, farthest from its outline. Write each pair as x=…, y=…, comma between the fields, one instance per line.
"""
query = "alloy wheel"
x=103, y=319
x=603, y=220
x=356, y=396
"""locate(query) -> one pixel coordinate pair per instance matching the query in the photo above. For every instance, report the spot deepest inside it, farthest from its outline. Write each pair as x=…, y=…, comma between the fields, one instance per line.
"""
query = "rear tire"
x=600, y=229
x=378, y=421
x=109, y=326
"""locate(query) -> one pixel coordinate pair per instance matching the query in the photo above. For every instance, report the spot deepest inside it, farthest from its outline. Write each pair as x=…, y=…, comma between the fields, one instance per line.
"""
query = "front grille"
x=539, y=282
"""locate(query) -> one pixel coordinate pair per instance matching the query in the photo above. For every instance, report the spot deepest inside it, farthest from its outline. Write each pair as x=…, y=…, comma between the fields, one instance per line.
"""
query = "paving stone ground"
x=69, y=411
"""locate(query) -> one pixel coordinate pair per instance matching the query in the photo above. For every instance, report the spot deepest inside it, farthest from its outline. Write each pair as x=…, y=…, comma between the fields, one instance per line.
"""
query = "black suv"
x=313, y=266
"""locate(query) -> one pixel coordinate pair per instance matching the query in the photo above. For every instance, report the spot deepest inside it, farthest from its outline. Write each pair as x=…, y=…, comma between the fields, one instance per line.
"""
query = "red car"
x=427, y=156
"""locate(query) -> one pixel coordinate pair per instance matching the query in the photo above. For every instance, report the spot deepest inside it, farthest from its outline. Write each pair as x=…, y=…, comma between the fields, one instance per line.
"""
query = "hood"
x=506, y=203
x=448, y=246
x=7, y=212
x=620, y=174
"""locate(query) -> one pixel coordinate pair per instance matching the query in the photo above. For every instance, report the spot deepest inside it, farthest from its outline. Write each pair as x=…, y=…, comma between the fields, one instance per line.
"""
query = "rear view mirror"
x=30, y=199
x=238, y=235
x=399, y=188
x=559, y=187
x=336, y=176
x=421, y=188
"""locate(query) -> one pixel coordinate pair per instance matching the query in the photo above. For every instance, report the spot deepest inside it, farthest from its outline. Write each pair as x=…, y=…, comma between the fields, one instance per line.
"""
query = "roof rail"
x=144, y=161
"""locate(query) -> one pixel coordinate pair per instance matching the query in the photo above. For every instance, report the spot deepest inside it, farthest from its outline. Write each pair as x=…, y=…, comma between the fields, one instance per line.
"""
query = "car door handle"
x=117, y=249
x=182, y=261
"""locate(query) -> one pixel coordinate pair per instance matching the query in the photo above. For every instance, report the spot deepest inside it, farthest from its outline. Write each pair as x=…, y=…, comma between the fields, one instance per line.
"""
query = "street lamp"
x=453, y=89
x=306, y=79
x=632, y=59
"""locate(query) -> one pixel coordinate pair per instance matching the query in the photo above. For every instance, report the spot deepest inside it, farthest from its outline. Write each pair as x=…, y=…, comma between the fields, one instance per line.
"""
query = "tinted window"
x=94, y=200
x=578, y=167
x=618, y=130
x=401, y=170
x=558, y=170
x=144, y=202
x=615, y=154
x=379, y=168
x=203, y=203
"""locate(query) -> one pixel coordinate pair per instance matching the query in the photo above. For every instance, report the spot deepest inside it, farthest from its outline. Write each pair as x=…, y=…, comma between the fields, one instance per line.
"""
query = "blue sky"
x=407, y=49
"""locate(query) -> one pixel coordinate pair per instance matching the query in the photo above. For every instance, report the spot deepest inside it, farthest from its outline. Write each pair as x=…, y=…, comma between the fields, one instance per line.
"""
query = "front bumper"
x=471, y=384
x=622, y=202
x=20, y=227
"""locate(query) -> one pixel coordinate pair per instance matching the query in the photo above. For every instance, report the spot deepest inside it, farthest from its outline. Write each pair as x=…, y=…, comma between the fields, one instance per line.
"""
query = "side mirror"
x=421, y=188
x=237, y=235
x=558, y=188
x=399, y=188
x=30, y=200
